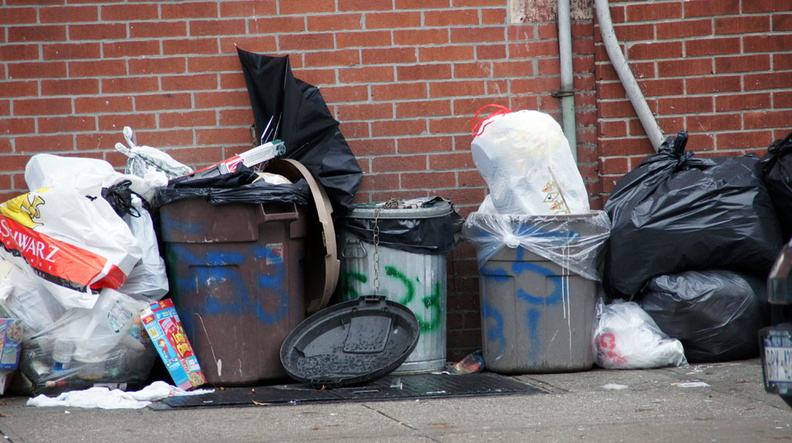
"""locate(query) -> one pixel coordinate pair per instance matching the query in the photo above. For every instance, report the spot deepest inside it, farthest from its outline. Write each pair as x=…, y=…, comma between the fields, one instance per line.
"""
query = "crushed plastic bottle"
x=474, y=362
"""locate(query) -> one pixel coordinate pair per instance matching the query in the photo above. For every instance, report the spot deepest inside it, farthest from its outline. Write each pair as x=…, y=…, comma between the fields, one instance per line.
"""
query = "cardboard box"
x=10, y=335
x=167, y=334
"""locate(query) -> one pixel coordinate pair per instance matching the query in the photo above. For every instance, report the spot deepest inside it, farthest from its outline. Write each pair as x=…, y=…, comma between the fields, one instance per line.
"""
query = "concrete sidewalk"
x=597, y=405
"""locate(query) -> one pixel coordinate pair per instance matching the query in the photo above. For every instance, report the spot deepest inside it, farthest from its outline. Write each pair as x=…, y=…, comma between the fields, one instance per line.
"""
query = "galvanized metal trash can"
x=416, y=280
x=537, y=315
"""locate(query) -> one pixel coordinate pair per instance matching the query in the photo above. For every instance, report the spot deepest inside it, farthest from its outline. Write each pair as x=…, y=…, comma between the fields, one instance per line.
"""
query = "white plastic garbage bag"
x=527, y=163
x=149, y=277
x=626, y=337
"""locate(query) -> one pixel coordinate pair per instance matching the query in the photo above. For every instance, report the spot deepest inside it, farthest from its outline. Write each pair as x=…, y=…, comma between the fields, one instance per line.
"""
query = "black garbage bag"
x=777, y=176
x=240, y=186
x=288, y=109
x=676, y=213
x=715, y=314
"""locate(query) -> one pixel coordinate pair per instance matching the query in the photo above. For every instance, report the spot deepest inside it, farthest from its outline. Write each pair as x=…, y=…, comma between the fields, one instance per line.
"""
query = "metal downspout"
x=631, y=87
x=567, y=91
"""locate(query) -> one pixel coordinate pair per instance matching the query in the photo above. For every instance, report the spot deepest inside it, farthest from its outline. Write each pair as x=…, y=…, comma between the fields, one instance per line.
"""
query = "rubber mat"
x=391, y=387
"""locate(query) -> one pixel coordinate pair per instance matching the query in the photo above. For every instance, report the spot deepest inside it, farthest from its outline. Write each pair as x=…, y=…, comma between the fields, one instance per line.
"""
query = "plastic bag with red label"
x=626, y=337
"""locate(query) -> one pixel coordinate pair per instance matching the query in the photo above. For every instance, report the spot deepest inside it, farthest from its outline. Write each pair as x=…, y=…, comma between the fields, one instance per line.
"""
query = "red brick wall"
x=718, y=68
x=404, y=77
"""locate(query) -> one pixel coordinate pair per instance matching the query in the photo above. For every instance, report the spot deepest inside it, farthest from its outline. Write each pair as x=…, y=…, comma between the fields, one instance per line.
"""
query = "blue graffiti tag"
x=495, y=332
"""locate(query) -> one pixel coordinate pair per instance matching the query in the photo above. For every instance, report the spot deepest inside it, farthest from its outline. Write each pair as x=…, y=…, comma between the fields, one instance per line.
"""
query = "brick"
x=490, y=52
x=626, y=146
x=469, y=179
x=183, y=118
x=434, y=71
x=685, y=67
x=765, y=6
x=366, y=74
x=251, y=8
x=405, y=162
x=155, y=102
x=745, y=63
x=613, y=165
x=744, y=24
x=102, y=105
x=741, y=102
x=496, y=87
x=349, y=57
x=19, y=16
x=714, y=122
x=131, y=12
x=615, y=109
x=305, y=42
x=226, y=117
x=19, y=53
x=374, y=146
x=191, y=82
x=685, y=105
x=385, y=56
x=260, y=44
x=316, y=77
x=70, y=87
x=66, y=124
x=364, y=39
x=428, y=180
x=447, y=53
x=399, y=91
x=277, y=24
x=363, y=5
x=712, y=8
x=741, y=140
x=380, y=181
x=456, y=89
x=116, y=122
x=782, y=99
x=422, y=4
x=98, y=31
x=397, y=128
x=67, y=14
x=423, y=108
x=222, y=136
x=13, y=126
x=782, y=61
x=416, y=37
x=127, y=85
x=306, y=8
x=187, y=10
x=160, y=65
x=394, y=20
x=533, y=49
x=767, y=43
x=712, y=46
x=530, y=31
x=425, y=144
x=653, y=11
x=38, y=33
x=157, y=29
x=472, y=70
x=773, y=80
x=486, y=34
x=684, y=29
x=451, y=161
x=71, y=51
x=453, y=17
x=191, y=46
x=44, y=143
x=97, y=68
x=459, y=123
x=43, y=106
x=494, y=17
x=706, y=85
x=365, y=111
x=781, y=22
x=334, y=22
x=205, y=28
x=131, y=48
x=223, y=63
x=654, y=50
x=342, y=94
x=534, y=84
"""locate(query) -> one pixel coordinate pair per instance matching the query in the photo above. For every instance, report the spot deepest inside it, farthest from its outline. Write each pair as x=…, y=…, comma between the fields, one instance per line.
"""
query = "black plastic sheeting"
x=777, y=176
x=233, y=187
x=288, y=109
x=423, y=386
x=425, y=235
x=715, y=314
x=676, y=213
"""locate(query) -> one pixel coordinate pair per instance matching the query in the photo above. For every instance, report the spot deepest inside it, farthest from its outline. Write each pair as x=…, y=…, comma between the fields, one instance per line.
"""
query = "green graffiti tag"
x=432, y=302
x=346, y=285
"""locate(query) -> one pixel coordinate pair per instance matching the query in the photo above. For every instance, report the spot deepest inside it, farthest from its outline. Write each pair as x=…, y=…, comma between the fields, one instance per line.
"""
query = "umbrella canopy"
x=286, y=108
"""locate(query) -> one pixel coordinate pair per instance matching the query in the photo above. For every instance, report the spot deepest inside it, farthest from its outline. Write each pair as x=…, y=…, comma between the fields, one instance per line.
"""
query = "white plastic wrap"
x=527, y=163
x=150, y=163
x=572, y=241
x=626, y=337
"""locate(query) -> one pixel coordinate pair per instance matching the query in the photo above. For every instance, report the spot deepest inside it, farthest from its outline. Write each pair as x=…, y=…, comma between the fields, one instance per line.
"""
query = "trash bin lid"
x=418, y=208
x=349, y=343
x=322, y=266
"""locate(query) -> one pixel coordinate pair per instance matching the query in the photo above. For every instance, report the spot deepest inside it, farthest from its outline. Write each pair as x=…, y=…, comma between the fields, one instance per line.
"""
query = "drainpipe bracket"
x=558, y=93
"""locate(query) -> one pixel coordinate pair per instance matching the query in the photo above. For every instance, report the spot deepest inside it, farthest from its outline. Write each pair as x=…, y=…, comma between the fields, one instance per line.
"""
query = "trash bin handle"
x=279, y=216
x=777, y=281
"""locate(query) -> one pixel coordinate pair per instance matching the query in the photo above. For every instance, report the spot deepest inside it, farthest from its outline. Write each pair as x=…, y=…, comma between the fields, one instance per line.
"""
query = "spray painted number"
x=432, y=303
x=219, y=272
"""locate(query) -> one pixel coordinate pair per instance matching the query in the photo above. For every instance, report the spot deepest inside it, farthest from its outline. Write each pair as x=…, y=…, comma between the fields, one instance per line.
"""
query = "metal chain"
x=390, y=204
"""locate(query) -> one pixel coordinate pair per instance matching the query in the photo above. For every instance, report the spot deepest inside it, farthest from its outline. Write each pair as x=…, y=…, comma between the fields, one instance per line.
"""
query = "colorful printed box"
x=10, y=335
x=167, y=334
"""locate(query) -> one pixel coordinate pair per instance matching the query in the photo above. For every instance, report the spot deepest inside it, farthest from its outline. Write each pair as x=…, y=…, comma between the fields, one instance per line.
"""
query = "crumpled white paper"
x=105, y=398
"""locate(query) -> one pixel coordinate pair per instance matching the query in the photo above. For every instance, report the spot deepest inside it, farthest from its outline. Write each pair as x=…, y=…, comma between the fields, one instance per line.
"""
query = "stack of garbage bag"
x=691, y=241
x=79, y=261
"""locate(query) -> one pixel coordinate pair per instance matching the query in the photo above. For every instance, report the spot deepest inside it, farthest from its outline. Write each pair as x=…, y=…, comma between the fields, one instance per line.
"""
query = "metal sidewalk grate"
x=392, y=387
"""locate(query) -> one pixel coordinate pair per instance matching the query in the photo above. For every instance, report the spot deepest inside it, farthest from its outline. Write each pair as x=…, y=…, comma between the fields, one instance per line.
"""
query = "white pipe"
x=567, y=91
x=625, y=75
